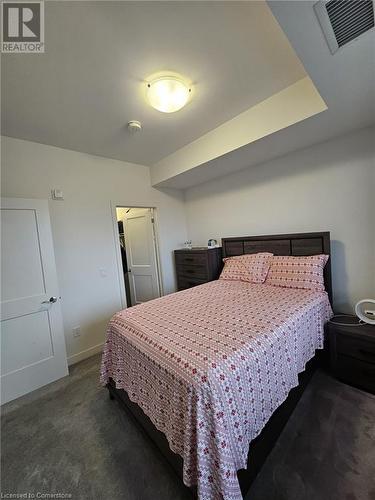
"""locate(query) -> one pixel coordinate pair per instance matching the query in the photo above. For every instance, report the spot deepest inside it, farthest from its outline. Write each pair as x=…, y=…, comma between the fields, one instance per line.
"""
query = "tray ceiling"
x=81, y=93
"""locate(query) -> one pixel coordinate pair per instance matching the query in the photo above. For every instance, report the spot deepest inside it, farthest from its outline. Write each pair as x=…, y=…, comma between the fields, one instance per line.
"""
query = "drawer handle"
x=367, y=353
x=189, y=259
x=190, y=271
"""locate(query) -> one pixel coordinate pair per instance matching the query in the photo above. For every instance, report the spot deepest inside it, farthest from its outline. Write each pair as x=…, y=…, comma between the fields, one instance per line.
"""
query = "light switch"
x=76, y=331
x=57, y=194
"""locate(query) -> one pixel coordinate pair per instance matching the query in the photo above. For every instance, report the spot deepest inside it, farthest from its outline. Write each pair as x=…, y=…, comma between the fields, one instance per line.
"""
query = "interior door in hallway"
x=32, y=337
x=141, y=255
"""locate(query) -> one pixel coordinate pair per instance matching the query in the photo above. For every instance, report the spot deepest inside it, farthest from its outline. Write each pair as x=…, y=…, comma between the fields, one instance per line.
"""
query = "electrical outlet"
x=76, y=331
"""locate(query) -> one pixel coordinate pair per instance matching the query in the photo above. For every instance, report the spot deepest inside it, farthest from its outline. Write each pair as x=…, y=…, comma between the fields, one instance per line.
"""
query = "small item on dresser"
x=188, y=244
x=352, y=351
x=212, y=243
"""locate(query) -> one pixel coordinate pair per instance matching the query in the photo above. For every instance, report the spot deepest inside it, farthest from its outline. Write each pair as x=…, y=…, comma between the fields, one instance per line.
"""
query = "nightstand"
x=197, y=266
x=352, y=351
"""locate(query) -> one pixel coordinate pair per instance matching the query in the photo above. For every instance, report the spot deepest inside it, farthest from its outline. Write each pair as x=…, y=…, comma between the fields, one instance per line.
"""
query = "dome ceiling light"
x=168, y=93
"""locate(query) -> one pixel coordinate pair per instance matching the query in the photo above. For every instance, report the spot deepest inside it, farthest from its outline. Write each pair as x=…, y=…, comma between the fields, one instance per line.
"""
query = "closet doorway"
x=139, y=266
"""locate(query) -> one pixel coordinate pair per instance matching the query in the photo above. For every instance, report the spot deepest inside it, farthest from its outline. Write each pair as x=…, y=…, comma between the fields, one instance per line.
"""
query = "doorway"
x=139, y=266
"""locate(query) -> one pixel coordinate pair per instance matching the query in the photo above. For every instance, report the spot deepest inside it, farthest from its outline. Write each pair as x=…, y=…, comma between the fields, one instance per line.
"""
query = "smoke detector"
x=344, y=20
x=134, y=126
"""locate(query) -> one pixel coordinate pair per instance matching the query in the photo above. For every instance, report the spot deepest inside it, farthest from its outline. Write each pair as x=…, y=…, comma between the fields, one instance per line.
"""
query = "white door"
x=32, y=337
x=141, y=255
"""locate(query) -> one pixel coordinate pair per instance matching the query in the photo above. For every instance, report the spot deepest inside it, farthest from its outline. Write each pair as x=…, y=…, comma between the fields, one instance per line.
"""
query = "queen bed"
x=212, y=373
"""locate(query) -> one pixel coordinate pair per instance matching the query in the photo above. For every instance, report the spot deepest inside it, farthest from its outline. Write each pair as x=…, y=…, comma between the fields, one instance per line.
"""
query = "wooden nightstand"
x=197, y=266
x=352, y=351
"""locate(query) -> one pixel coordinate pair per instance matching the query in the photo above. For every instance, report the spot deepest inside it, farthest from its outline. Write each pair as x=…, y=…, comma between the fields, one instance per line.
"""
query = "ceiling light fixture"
x=168, y=93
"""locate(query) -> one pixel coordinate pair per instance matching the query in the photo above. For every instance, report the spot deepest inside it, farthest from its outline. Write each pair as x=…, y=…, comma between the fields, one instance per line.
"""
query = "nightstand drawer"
x=191, y=258
x=185, y=282
x=356, y=348
x=356, y=372
x=197, y=271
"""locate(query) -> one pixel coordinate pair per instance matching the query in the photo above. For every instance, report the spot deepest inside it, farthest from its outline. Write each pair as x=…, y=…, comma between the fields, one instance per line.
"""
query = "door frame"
x=116, y=243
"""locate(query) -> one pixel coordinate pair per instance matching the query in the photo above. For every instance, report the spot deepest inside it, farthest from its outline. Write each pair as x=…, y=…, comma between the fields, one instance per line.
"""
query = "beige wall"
x=330, y=186
x=82, y=227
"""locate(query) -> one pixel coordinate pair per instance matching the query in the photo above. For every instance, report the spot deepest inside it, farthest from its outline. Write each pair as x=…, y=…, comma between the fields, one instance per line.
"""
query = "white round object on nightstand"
x=365, y=310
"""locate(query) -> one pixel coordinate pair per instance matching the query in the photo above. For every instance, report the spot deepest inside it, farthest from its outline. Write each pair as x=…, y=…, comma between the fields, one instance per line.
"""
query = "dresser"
x=197, y=266
x=352, y=351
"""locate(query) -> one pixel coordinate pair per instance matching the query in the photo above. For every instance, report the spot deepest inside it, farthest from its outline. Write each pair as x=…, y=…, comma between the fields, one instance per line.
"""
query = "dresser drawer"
x=185, y=282
x=197, y=266
x=356, y=372
x=197, y=271
x=191, y=258
x=356, y=348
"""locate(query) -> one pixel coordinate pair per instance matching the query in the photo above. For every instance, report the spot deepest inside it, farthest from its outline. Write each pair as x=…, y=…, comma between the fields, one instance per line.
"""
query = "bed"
x=212, y=373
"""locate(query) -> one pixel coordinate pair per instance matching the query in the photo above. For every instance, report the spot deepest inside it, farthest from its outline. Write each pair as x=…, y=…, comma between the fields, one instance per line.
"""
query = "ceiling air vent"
x=344, y=20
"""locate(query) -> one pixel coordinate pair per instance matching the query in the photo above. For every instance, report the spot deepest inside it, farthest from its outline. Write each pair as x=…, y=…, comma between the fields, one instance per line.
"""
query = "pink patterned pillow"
x=298, y=272
x=252, y=268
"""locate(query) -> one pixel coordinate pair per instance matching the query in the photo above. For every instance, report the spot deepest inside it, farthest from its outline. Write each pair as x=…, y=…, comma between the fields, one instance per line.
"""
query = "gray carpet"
x=69, y=438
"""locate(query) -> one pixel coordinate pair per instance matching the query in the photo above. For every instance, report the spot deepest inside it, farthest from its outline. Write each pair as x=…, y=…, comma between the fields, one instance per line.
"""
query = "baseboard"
x=87, y=353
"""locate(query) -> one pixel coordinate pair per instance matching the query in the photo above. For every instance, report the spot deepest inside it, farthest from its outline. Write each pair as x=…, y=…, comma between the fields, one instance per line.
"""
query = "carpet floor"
x=68, y=438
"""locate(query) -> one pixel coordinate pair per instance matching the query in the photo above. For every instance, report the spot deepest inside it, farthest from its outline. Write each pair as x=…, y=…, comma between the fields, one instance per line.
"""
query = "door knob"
x=51, y=300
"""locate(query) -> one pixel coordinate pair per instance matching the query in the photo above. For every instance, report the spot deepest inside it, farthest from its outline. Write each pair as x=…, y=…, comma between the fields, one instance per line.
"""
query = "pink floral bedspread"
x=209, y=366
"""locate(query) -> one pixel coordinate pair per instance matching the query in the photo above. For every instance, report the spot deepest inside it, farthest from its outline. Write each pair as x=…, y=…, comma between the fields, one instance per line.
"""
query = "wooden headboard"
x=284, y=244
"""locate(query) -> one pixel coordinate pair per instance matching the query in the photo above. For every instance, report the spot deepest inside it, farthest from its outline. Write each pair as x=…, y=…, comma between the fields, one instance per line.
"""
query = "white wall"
x=330, y=186
x=83, y=230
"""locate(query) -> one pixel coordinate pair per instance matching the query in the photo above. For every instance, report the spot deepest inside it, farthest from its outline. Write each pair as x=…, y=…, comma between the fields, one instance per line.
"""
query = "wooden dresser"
x=197, y=266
